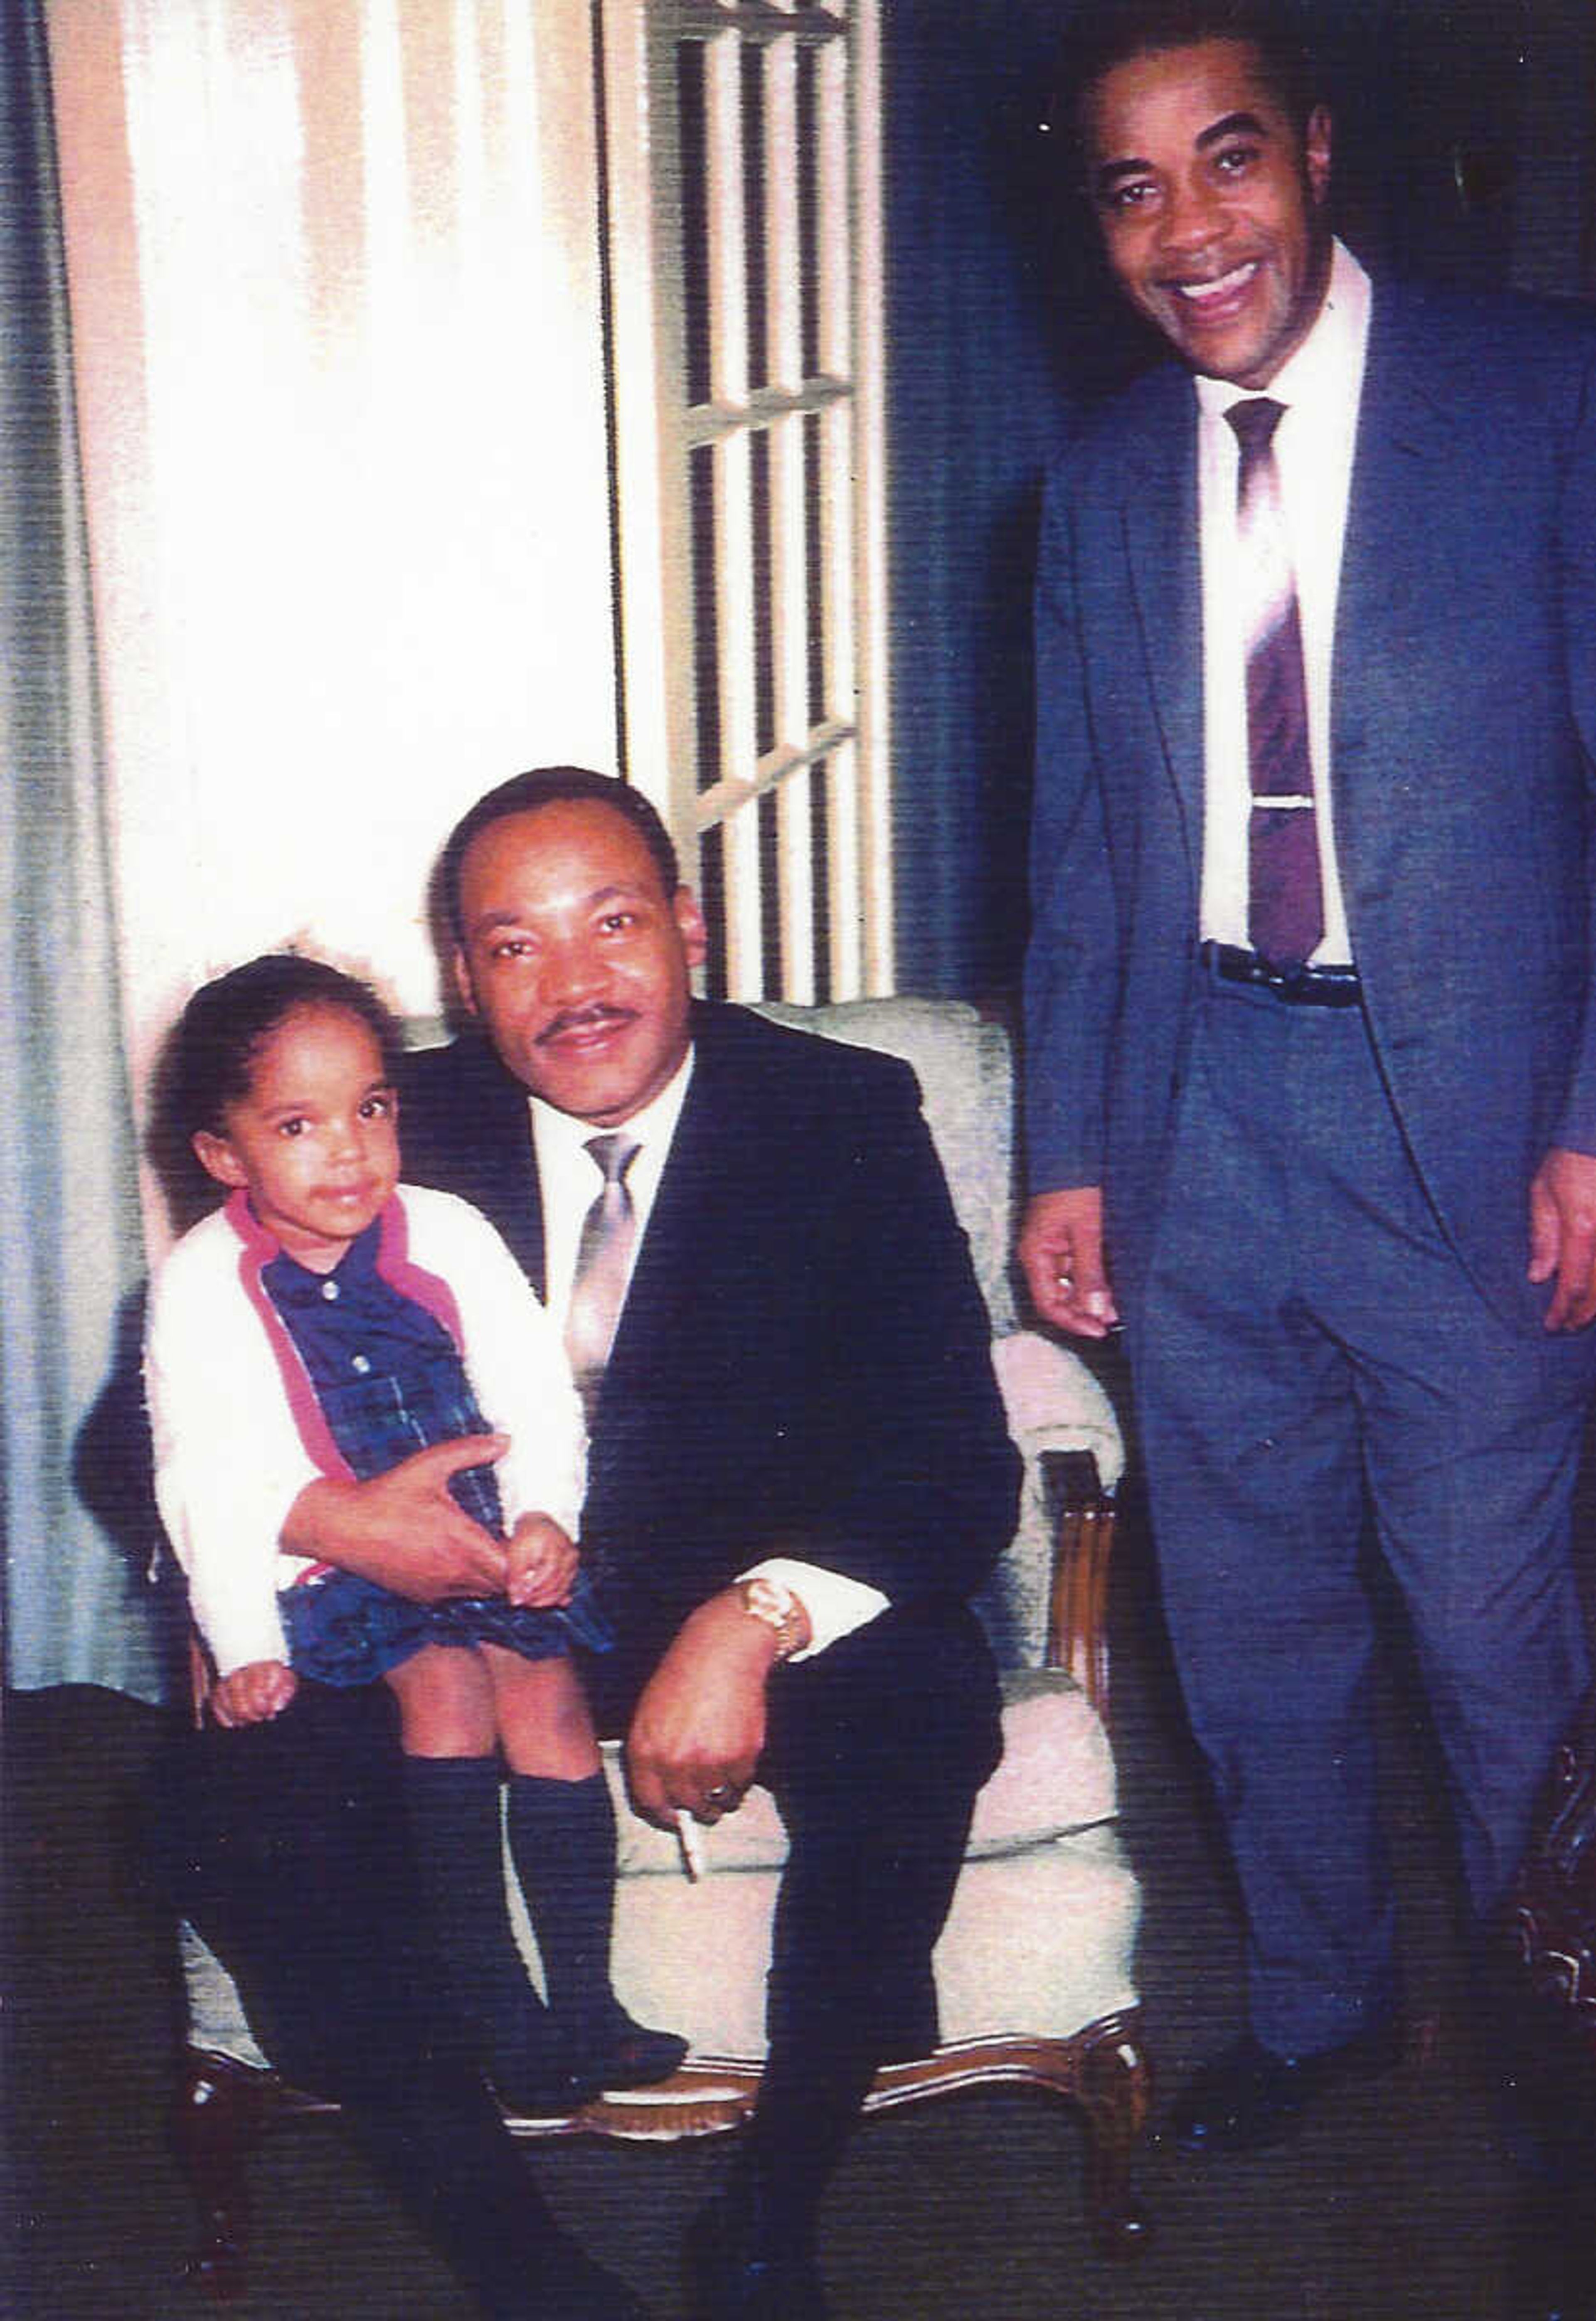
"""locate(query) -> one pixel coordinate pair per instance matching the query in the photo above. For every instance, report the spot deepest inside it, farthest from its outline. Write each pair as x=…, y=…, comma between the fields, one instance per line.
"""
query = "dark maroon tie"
x=1285, y=900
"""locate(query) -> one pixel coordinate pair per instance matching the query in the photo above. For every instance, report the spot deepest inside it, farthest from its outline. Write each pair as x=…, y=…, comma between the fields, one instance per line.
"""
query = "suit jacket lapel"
x=498, y=1122
x=1163, y=549
x=1390, y=559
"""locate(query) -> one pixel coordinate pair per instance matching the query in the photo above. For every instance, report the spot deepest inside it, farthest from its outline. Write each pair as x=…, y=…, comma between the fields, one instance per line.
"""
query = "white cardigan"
x=238, y=1434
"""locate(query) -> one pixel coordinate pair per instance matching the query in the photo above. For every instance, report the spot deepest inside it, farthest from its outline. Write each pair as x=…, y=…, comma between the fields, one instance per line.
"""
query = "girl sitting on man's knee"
x=328, y=1323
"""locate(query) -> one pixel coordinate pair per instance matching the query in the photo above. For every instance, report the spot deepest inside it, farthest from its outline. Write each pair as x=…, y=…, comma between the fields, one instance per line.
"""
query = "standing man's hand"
x=403, y=1530
x=1060, y=1248
x=698, y=1729
x=1563, y=1236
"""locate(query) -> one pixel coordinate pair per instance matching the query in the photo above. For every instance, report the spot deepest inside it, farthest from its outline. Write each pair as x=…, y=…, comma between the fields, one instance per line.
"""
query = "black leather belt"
x=1298, y=987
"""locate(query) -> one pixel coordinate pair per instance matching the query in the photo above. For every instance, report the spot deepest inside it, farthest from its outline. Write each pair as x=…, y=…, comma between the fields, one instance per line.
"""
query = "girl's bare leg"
x=445, y=1693
x=544, y=1726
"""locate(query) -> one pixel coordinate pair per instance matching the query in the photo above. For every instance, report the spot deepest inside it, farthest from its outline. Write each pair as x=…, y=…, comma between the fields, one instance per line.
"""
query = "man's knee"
x=907, y=1705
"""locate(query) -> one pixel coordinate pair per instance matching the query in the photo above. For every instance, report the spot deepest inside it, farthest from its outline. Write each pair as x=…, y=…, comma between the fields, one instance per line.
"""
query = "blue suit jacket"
x=803, y=1363
x=1463, y=721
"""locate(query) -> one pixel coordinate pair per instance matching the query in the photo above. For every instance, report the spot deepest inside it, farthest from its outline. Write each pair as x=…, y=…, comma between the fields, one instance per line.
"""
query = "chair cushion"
x=1053, y=1796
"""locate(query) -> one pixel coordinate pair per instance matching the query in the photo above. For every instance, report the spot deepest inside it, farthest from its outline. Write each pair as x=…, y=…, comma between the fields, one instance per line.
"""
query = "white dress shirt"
x=570, y=1181
x=1320, y=385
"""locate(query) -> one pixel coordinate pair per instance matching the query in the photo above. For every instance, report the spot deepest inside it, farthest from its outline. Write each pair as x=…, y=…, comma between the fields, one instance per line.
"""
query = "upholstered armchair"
x=1034, y=1968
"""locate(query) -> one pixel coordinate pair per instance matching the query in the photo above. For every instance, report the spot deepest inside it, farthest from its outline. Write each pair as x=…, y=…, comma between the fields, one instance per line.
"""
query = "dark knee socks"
x=454, y=1815
x=562, y=1843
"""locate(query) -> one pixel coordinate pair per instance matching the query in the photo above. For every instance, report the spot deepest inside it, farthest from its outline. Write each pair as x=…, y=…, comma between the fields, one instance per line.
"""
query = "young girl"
x=327, y=1322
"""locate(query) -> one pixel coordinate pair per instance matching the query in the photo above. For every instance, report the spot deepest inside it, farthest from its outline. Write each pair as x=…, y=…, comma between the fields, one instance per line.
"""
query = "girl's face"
x=317, y=1138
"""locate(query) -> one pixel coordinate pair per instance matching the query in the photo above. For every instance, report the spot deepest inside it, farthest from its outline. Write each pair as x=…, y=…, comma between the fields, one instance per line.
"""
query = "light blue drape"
x=77, y=1609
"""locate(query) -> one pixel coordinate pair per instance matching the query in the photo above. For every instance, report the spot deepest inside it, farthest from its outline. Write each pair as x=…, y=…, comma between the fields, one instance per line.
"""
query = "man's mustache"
x=583, y=1019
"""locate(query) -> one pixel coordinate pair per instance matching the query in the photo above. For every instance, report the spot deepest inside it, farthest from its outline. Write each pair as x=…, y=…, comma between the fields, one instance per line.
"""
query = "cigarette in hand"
x=690, y=1842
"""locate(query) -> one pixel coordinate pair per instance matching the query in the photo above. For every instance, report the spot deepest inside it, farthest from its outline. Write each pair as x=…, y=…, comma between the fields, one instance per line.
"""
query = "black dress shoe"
x=1249, y=2097
x=640, y=2058
x=731, y=2281
x=631, y=2056
x=544, y=2083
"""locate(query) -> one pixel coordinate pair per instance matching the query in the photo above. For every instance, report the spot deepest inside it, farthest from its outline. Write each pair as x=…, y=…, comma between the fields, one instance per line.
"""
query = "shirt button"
x=361, y=1362
x=330, y=1291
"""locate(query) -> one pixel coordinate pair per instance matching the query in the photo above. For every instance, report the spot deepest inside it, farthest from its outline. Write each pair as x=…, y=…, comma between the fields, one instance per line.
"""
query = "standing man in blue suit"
x=1312, y=1065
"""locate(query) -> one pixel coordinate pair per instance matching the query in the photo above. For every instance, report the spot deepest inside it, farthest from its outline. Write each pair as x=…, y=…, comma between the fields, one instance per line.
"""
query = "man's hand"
x=252, y=1694
x=542, y=1563
x=1563, y=1236
x=698, y=1729
x=1060, y=1248
x=402, y=1530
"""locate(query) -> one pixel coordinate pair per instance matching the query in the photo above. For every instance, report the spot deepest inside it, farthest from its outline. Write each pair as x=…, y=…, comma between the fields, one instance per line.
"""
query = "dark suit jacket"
x=1464, y=721
x=802, y=1364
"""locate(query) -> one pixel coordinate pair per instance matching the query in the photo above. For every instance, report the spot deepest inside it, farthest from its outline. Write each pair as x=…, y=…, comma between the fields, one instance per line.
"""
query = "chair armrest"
x=1064, y=1424
x=1083, y=1517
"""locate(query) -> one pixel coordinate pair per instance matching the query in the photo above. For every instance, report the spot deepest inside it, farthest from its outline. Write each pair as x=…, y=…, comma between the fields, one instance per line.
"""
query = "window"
x=743, y=242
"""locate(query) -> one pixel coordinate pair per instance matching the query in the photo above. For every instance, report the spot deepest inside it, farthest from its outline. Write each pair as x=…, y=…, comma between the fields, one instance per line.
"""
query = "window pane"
x=814, y=544
x=712, y=898
x=705, y=620
x=753, y=212
x=808, y=204
x=764, y=667
x=770, y=893
x=692, y=140
x=820, y=850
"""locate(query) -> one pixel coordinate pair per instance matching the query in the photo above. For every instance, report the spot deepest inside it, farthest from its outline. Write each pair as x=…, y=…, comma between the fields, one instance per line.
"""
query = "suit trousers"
x=1308, y=1352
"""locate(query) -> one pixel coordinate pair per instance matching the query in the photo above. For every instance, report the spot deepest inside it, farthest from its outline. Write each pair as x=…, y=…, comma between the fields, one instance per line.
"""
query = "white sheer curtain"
x=76, y=1532
x=334, y=282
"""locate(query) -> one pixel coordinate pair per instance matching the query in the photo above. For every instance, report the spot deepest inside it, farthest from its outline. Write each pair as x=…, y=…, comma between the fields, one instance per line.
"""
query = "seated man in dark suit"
x=800, y=1468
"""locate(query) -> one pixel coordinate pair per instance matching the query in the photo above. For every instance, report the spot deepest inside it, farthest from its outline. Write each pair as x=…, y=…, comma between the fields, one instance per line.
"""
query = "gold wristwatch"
x=773, y=1602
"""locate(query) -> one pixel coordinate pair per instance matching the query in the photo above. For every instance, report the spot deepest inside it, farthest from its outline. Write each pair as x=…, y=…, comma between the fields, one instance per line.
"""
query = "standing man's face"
x=1212, y=204
x=575, y=959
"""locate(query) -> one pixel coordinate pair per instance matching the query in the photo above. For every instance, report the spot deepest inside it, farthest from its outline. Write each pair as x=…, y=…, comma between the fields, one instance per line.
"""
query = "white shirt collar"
x=569, y=1178
x=1326, y=371
x=653, y=1125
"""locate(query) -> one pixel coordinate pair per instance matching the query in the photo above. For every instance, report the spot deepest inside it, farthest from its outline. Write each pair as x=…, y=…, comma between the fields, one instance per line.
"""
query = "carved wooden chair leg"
x=217, y=2117
x=1115, y=2089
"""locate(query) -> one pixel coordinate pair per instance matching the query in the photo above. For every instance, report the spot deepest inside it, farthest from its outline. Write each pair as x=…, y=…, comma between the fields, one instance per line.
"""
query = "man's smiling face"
x=1212, y=204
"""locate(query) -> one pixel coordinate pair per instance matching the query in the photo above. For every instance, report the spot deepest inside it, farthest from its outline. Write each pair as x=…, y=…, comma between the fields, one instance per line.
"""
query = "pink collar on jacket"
x=396, y=1268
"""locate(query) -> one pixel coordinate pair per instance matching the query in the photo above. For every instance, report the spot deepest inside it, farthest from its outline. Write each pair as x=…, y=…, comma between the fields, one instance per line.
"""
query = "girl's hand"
x=542, y=1564
x=252, y=1693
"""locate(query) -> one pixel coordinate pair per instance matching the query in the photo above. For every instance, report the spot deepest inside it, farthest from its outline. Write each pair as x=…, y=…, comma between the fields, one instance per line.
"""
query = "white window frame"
x=825, y=594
